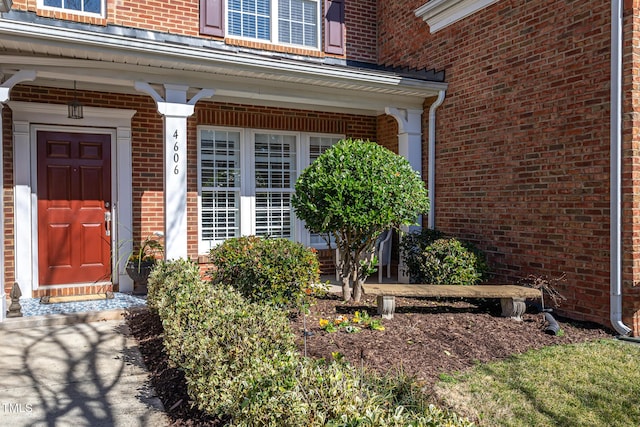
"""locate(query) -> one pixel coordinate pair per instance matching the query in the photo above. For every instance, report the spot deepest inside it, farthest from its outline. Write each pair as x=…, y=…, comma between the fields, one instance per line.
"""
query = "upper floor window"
x=293, y=22
x=87, y=7
x=297, y=23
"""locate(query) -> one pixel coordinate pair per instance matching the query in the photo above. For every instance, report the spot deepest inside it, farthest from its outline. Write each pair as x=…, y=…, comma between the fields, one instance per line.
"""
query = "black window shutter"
x=334, y=26
x=212, y=17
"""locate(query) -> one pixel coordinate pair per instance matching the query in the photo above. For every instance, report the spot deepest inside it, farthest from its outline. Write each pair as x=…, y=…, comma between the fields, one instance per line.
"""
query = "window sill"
x=254, y=44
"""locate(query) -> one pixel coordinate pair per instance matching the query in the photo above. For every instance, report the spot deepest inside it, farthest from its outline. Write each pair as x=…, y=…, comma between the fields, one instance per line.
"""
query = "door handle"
x=107, y=222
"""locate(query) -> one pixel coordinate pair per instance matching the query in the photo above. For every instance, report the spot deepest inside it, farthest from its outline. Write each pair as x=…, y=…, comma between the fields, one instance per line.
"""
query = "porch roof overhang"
x=113, y=63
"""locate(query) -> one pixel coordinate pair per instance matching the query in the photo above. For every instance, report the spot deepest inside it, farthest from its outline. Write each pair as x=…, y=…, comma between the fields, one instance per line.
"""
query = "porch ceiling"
x=111, y=62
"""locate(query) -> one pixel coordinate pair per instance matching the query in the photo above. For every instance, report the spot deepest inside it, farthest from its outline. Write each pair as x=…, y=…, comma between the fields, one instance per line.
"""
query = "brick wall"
x=523, y=136
x=147, y=152
x=361, y=26
x=7, y=195
x=631, y=167
x=183, y=17
x=388, y=132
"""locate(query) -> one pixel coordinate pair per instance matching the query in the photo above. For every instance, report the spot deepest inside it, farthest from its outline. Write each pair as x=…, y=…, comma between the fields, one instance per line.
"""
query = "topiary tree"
x=354, y=191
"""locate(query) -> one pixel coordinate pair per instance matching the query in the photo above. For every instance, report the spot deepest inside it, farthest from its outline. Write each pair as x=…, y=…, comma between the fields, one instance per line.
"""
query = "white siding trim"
x=49, y=117
x=442, y=13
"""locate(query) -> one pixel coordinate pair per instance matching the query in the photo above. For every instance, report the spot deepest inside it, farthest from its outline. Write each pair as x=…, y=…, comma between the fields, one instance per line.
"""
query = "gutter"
x=616, y=170
x=431, y=180
x=232, y=63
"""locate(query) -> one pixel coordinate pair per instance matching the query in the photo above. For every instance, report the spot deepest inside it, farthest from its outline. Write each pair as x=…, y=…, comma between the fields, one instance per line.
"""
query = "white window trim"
x=442, y=13
x=274, y=28
x=40, y=5
x=247, y=180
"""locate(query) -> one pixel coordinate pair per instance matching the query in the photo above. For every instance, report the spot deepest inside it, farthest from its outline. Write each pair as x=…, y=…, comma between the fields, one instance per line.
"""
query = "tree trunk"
x=346, y=289
x=357, y=290
x=348, y=276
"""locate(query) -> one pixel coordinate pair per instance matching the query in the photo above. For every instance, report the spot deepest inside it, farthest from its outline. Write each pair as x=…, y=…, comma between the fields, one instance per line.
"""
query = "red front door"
x=74, y=194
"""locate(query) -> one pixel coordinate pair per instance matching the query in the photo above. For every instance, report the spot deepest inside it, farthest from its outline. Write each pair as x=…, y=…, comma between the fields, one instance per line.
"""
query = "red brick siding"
x=631, y=167
x=147, y=151
x=183, y=17
x=327, y=259
x=234, y=115
x=7, y=198
x=388, y=132
x=73, y=290
x=361, y=26
x=523, y=136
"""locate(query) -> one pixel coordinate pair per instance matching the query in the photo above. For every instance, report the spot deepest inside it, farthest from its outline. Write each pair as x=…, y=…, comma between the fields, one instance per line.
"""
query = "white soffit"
x=112, y=57
x=442, y=13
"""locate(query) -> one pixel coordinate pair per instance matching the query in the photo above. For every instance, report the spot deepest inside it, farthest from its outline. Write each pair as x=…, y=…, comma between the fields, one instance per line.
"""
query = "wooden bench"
x=512, y=297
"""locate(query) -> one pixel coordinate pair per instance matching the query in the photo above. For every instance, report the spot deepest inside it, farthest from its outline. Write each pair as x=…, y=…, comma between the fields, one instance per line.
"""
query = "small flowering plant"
x=359, y=320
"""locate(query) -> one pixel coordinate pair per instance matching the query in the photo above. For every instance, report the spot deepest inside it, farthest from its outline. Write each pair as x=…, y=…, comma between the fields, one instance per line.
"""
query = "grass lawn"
x=589, y=384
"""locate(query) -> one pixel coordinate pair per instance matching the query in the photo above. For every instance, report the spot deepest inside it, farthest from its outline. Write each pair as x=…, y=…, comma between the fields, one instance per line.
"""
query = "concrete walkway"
x=74, y=374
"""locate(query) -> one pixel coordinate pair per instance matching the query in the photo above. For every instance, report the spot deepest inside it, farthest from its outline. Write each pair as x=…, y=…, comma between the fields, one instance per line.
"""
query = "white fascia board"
x=442, y=13
x=236, y=63
x=121, y=78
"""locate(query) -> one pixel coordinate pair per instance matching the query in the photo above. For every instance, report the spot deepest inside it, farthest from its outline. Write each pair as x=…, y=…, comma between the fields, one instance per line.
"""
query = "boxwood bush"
x=434, y=258
x=272, y=270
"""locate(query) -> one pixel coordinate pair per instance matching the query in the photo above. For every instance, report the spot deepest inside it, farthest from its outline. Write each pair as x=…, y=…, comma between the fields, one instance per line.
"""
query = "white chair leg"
x=337, y=264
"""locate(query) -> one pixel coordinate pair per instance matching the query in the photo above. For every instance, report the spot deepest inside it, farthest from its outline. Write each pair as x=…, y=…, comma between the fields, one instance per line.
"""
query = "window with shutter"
x=288, y=22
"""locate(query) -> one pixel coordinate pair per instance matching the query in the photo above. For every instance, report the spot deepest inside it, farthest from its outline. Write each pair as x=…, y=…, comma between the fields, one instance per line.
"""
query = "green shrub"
x=338, y=394
x=413, y=244
x=272, y=270
x=431, y=257
x=167, y=278
x=238, y=357
x=241, y=365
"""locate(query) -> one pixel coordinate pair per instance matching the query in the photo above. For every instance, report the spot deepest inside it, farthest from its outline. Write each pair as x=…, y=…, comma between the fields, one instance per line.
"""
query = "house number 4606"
x=176, y=156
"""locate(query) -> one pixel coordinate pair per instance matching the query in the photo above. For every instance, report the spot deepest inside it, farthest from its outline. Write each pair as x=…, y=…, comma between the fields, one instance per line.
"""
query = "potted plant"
x=141, y=261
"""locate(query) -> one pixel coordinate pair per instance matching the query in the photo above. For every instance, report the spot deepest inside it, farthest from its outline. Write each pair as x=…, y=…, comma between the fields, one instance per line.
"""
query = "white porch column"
x=409, y=147
x=175, y=110
x=5, y=88
x=409, y=135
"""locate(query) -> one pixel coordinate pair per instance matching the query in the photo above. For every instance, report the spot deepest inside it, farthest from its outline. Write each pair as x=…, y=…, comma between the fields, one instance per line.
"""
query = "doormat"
x=75, y=298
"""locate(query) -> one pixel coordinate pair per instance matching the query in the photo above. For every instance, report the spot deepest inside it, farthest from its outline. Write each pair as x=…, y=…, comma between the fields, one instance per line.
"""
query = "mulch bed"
x=425, y=338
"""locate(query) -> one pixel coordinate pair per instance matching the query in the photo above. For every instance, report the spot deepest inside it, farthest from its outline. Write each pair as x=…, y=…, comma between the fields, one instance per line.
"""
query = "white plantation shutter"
x=220, y=185
x=275, y=175
x=246, y=179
